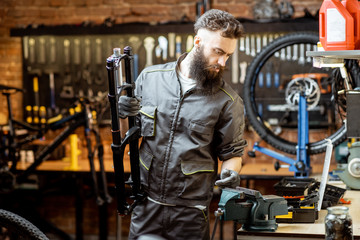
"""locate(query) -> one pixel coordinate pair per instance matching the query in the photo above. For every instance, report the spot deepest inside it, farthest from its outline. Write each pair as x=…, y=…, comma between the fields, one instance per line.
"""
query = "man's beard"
x=207, y=79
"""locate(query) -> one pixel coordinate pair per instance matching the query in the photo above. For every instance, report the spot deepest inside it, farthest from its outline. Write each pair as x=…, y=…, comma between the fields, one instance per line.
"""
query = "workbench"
x=309, y=230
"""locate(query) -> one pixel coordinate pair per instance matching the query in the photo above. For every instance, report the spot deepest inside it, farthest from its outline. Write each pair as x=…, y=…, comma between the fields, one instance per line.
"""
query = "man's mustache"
x=215, y=66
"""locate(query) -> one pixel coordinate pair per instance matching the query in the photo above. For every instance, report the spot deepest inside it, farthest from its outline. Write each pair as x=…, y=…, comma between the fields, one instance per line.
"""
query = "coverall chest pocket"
x=197, y=179
x=200, y=133
x=148, y=120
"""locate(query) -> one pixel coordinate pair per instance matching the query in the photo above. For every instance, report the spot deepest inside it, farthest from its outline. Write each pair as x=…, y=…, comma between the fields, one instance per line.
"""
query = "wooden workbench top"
x=311, y=230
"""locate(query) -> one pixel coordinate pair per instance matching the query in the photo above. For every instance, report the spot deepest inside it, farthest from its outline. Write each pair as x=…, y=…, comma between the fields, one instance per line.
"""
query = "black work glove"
x=128, y=106
x=228, y=178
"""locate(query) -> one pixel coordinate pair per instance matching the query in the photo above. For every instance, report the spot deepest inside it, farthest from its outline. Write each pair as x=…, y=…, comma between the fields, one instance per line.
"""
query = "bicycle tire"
x=18, y=227
x=249, y=95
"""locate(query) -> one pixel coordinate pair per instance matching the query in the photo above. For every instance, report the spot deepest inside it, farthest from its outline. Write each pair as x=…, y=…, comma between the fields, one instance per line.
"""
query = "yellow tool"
x=74, y=153
x=29, y=118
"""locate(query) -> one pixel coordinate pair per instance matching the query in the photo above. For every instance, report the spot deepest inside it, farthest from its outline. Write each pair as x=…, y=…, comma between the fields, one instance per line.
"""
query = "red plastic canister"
x=353, y=8
x=336, y=26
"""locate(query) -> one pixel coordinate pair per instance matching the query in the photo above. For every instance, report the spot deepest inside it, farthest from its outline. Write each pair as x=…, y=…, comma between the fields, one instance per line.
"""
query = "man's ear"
x=197, y=40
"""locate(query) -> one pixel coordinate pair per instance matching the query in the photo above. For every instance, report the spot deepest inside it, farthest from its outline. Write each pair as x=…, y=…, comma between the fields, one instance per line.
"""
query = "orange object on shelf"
x=336, y=27
x=353, y=8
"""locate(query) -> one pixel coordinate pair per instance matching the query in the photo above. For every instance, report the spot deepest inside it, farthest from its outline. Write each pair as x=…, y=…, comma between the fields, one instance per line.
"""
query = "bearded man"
x=190, y=118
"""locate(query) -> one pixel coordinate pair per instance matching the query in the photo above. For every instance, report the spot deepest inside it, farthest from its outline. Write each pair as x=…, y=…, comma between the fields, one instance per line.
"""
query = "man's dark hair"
x=215, y=20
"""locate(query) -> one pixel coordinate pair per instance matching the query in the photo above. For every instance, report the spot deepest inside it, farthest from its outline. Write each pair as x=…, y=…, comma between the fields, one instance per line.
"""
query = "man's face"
x=212, y=52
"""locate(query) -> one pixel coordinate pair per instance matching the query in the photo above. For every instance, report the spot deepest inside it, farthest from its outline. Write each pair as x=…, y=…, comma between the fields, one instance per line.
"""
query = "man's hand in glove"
x=228, y=178
x=128, y=106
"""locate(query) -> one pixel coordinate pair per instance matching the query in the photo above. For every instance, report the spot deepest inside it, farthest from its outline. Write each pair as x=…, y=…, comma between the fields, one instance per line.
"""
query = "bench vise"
x=249, y=207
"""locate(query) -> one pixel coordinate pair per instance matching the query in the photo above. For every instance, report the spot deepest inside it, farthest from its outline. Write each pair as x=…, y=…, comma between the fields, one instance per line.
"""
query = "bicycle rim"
x=14, y=226
x=281, y=61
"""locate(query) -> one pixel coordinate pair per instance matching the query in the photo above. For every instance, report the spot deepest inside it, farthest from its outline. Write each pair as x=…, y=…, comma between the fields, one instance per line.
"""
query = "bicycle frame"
x=73, y=122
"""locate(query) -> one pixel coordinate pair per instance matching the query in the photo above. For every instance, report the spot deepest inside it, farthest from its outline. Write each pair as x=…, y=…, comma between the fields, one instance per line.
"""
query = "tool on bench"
x=132, y=135
x=256, y=212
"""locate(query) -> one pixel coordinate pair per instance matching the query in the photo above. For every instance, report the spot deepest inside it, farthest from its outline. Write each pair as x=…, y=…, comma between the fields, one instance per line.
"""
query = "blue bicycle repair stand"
x=301, y=166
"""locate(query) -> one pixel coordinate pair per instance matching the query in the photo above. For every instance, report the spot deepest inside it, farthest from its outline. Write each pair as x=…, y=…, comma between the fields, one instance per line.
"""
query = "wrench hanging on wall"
x=189, y=43
x=163, y=43
x=171, y=37
x=235, y=64
x=52, y=50
x=42, y=51
x=149, y=44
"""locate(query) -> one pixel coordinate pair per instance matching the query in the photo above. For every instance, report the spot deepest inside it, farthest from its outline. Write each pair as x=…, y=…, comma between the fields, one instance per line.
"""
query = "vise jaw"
x=248, y=207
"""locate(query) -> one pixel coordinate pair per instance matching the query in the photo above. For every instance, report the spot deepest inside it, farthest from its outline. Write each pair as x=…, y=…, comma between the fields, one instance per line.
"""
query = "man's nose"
x=222, y=61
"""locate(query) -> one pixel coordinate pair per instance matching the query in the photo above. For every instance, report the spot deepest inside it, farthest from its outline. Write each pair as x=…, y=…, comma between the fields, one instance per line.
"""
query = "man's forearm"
x=234, y=164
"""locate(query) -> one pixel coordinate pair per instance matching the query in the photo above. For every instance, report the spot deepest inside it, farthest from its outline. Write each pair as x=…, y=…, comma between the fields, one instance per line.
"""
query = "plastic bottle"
x=336, y=26
x=353, y=8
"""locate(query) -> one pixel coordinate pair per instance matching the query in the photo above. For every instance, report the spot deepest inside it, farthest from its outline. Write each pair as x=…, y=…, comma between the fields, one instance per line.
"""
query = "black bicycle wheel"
x=265, y=95
x=14, y=226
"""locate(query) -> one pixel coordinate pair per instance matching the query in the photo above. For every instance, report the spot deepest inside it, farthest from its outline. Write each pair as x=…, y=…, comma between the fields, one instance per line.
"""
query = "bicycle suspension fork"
x=118, y=146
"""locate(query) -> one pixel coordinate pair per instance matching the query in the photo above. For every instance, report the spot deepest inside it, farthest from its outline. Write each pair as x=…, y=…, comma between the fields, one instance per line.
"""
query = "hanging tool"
x=52, y=92
x=32, y=50
x=132, y=135
x=136, y=44
x=171, y=37
x=264, y=40
x=242, y=44
x=76, y=61
x=308, y=48
x=189, y=43
x=52, y=50
x=253, y=46
x=268, y=75
x=29, y=115
x=295, y=56
x=243, y=66
x=158, y=52
x=149, y=44
x=42, y=53
x=99, y=78
x=98, y=52
x=235, y=64
x=276, y=73
x=288, y=53
x=67, y=91
x=26, y=47
x=66, y=51
x=302, y=54
x=261, y=79
x=258, y=43
x=163, y=43
x=37, y=100
x=178, y=46
x=247, y=45
x=87, y=52
x=282, y=54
